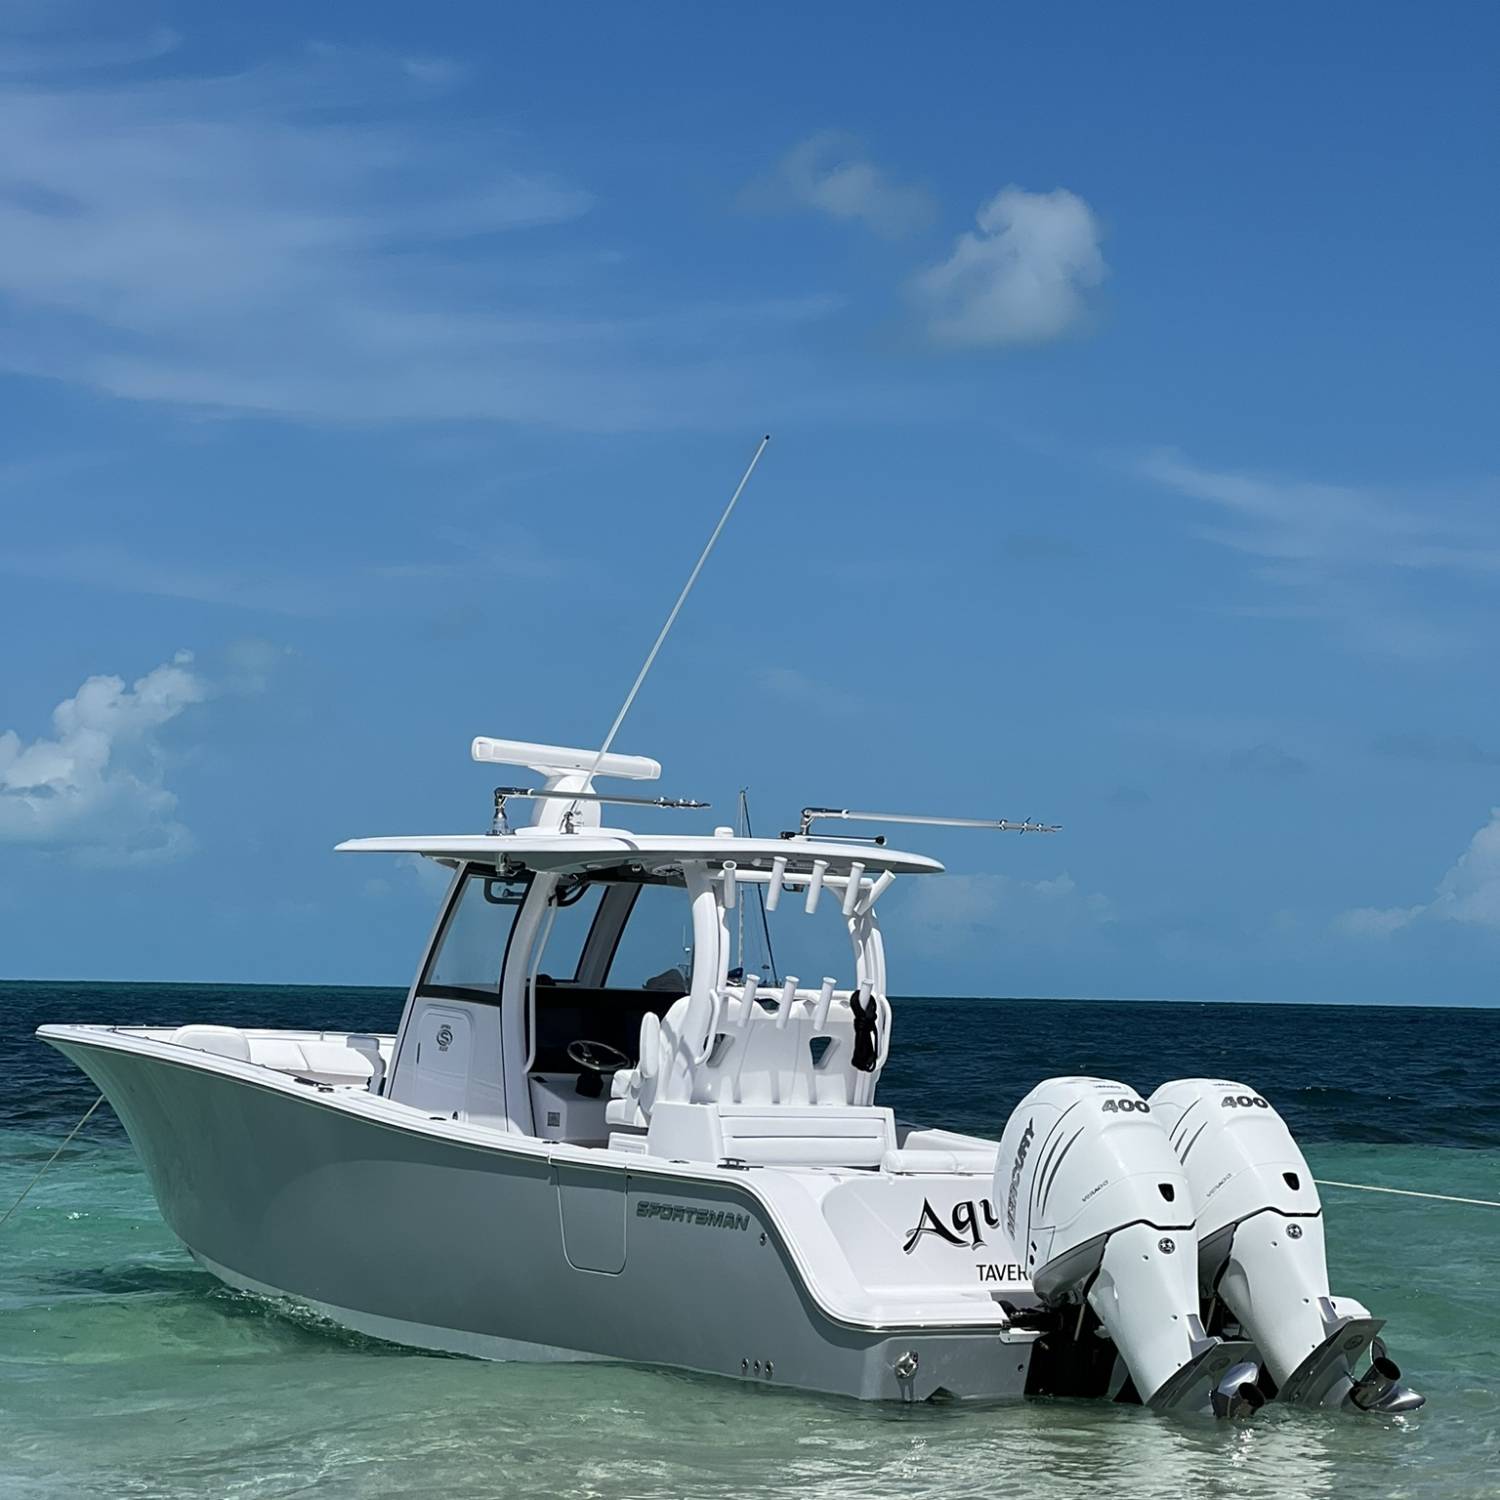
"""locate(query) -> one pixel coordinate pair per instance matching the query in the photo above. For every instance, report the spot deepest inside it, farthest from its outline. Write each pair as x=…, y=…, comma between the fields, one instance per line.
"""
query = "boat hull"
x=499, y=1250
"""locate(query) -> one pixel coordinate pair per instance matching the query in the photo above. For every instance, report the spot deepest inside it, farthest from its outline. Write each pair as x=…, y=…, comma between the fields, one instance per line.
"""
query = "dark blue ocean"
x=1412, y=1075
x=126, y=1370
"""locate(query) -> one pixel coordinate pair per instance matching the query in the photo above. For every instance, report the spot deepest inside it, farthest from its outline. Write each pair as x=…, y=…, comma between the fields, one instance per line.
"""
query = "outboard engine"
x=1098, y=1210
x=1260, y=1247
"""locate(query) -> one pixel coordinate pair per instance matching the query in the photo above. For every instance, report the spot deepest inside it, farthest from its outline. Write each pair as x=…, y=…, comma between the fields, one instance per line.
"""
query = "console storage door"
x=443, y=1035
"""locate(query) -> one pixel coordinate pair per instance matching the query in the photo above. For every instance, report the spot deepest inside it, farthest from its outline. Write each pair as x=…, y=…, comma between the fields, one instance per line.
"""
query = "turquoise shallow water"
x=127, y=1371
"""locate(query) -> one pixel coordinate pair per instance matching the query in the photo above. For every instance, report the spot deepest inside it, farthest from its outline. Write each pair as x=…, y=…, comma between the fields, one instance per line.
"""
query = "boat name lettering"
x=686, y=1213
x=964, y=1220
x=1015, y=1177
x=1007, y=1271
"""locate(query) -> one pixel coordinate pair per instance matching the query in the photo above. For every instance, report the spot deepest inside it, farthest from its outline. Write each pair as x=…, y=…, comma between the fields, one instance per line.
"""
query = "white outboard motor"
x=1098, y=1210
x=1260, y=1246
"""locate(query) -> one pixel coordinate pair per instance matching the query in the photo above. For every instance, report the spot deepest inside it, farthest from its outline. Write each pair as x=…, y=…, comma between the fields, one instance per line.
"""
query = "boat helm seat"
x=751, y=1060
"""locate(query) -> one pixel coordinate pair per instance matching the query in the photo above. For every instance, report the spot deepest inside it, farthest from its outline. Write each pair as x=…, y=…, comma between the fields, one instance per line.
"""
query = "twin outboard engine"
x=1260, y=1247
x=1099, y=1210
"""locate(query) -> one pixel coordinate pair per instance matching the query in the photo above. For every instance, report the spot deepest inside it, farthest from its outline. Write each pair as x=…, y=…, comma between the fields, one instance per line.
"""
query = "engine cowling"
x=1098, y=1208
x=1260, y=1237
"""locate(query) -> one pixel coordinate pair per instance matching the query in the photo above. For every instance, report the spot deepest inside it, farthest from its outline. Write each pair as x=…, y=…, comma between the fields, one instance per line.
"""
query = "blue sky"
x=371, y=381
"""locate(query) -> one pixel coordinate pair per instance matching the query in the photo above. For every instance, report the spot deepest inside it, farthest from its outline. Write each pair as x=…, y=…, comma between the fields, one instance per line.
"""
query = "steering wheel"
x=597, y=1057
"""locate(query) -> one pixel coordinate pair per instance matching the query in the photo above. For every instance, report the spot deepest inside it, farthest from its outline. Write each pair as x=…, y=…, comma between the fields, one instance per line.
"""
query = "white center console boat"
x=560, y=1154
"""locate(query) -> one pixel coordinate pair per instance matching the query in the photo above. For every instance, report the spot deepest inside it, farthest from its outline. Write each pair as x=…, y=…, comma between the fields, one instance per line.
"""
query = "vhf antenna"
x=687, y=589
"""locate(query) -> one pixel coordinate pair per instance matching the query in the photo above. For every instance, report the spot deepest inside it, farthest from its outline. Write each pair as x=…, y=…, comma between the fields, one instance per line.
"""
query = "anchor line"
x=1369, y=1187
x=42, y=1170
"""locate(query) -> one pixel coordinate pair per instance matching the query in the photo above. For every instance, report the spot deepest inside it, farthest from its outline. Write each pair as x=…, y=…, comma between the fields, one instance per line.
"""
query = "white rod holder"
x=730, y=885
x=788, y=995
x=882, y=884
x=851, y=891
x=825, y=1000
x=815, y=884
x=778, y=874
x=747, y=1002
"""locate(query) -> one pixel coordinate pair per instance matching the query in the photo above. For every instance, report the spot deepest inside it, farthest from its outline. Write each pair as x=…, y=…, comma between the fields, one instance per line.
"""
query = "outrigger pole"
x=1004, y=825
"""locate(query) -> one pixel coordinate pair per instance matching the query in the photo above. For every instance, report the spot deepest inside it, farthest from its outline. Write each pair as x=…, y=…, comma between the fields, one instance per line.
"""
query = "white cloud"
x=432, y=879
x=307, y=240
x=97, y=788
x=1291, y=520
x=120, y=569
x=1022, y=278
x=21, y=56
x=830, y=174
x=279, y=589
x=1469, y=893
x=1341, y=553
x=935, y=913
x=1375, y=921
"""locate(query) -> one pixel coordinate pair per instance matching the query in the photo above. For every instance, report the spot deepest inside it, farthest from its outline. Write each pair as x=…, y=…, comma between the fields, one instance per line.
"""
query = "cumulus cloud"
x=1469, y=893
x=1022, y=278
x=97, y=788
x=830, y=174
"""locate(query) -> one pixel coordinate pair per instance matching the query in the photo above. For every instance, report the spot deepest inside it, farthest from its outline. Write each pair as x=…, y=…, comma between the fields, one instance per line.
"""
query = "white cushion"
x=772, y=1135
x=223, y=1041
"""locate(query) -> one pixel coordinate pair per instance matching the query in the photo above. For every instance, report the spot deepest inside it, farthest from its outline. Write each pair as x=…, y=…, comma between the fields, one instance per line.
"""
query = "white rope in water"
x=1368, y=1187
x=43, y=1169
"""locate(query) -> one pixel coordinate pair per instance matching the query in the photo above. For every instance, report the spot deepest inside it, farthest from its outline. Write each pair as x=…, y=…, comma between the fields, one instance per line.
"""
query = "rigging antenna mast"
x=760, y=895
x=687, y=589
x=741, y=818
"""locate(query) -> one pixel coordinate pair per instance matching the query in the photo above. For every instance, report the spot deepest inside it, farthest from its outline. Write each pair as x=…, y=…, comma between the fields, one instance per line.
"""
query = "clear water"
x=126, y=1371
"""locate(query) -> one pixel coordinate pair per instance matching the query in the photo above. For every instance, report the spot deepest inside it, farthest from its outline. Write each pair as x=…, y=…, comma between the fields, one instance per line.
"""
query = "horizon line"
x=908, y=998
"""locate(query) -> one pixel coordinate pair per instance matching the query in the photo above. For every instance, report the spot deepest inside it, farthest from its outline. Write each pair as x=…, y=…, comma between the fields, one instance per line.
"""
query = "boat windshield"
x=616, y=945
x=655, y=948
x=470, y=952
